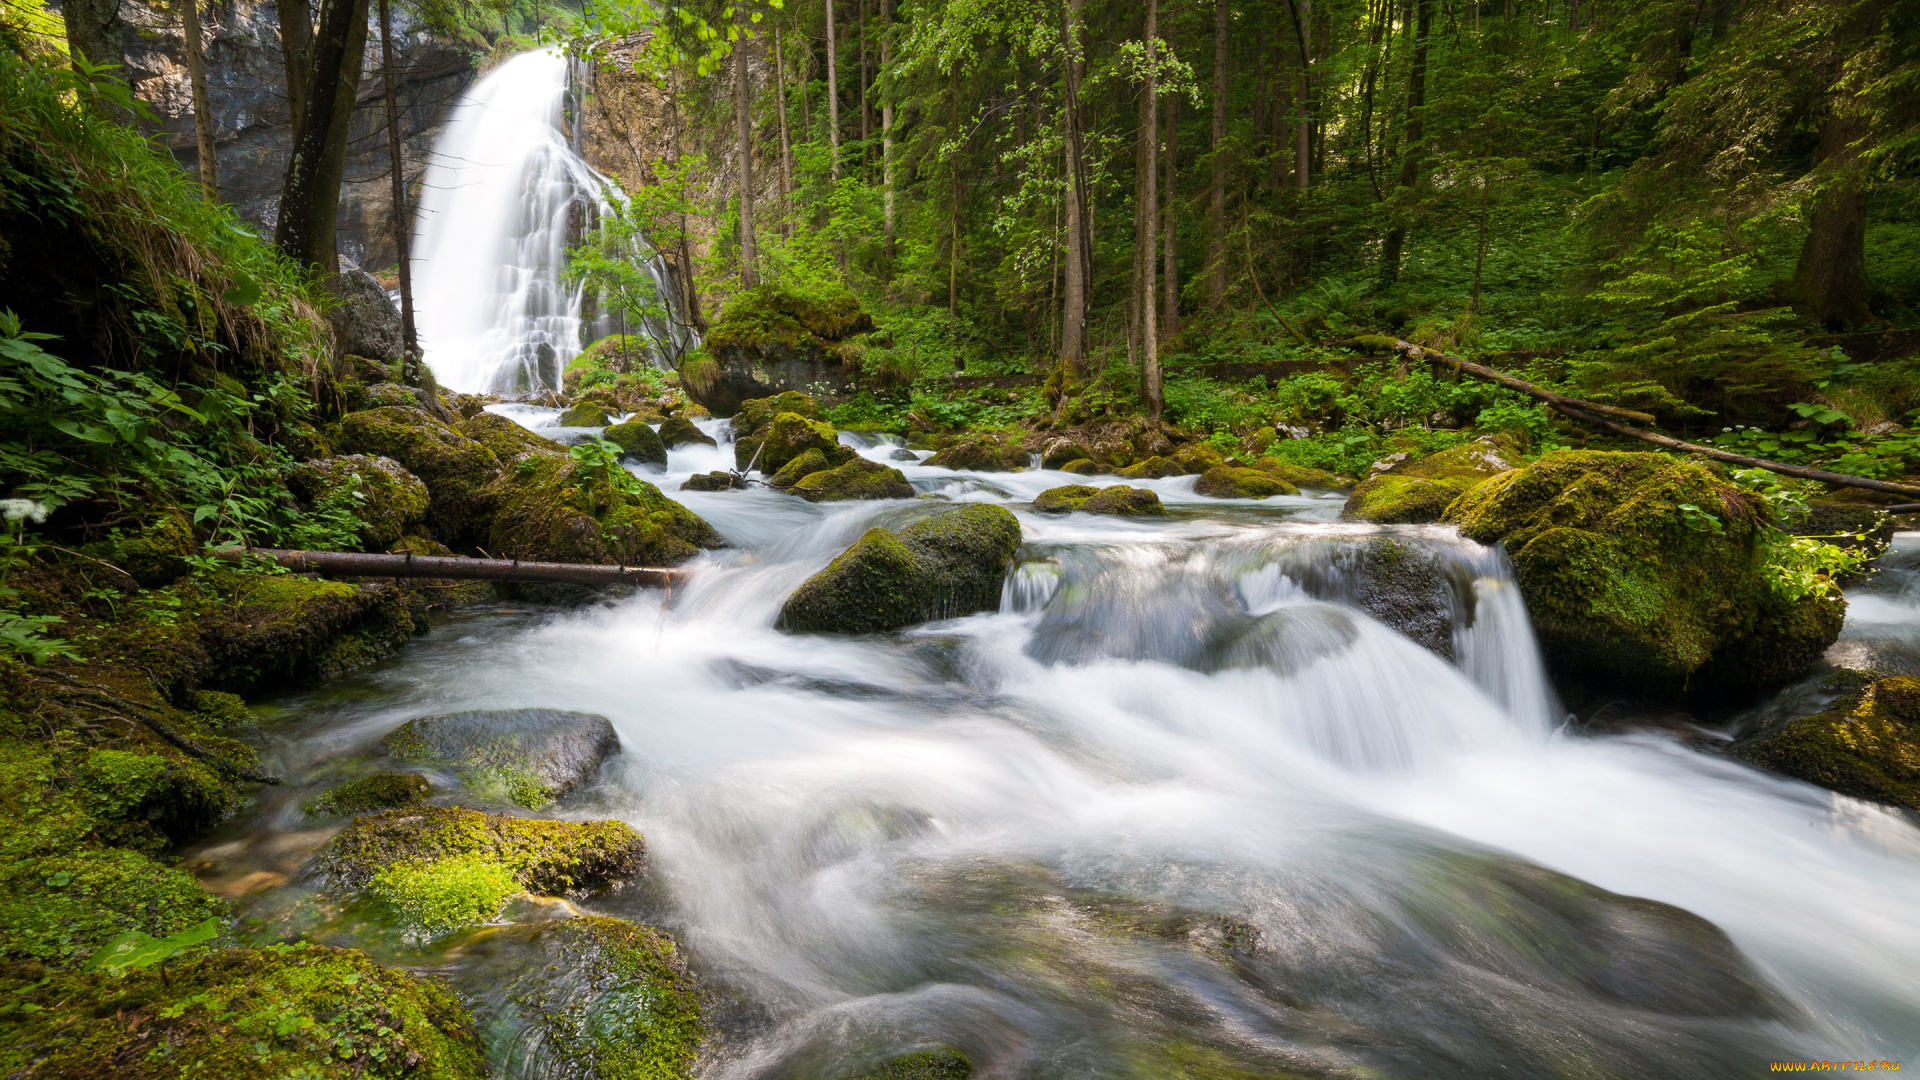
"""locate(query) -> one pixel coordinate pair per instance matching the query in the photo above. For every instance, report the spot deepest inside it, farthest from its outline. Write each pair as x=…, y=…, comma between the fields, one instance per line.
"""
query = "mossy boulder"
x=595, y=998
x=857, y=478
x=771, y=339
x=554, y=508
x=459, y=472
x=1083, y=467
x=283, y=628
x=1060, y=452
x=1118, y=500
x=528, y=756
x=1300, y=475
x=281, y=1011
x=1648, y=575
x=381, y=791
x=1866, y=744
x=506, y=439
x=809, y=462
x=754, y=416
x=791, y=435
x=1421, y=490
x=387, y=500
x=60, y=908
x=639, y=442
x=983, y=453
x=157, y=554
x=924, y=1065
x=717, y=480
x=1230, y=482
x=947, y=565
x=1198, y=458
x=1153, y=468
x=678, y=431
x=555, y=857
x=586, y=414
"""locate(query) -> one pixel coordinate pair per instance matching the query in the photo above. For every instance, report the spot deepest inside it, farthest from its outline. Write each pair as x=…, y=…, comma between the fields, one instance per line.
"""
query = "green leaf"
x=137, y=950
x=243, y=292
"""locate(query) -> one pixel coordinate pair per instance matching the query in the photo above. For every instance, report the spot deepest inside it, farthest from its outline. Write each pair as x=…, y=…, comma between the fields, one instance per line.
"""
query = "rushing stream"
x=1177, y=809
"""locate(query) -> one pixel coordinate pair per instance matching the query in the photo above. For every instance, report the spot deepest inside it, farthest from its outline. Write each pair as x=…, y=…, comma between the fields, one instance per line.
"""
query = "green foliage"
x=134, y=949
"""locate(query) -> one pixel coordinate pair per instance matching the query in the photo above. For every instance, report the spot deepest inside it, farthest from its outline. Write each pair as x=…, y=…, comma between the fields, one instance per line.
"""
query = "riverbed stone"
x=552, y=508
x=790, y=435
x=1230, y=482
x=1648, y=576
x=982, y=453
x=1156, y=467
x=386, y=499
x=551, y=857
x=717, y=480
x=528, y=756
x=1418, y=490
x=678, y=431
x=458, y=471
x=1118, y=500
x=857, y=478
x=639, y=442
x=586, y=414
x=381, y=791
x=508, y=441
x=947, y=565
x=809, y=462
x=924, y=1065
x=1865, y=744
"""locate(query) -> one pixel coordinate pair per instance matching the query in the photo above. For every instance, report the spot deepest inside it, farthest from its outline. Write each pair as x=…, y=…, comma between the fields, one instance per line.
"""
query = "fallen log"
x=355, y=564
x=1588, y=412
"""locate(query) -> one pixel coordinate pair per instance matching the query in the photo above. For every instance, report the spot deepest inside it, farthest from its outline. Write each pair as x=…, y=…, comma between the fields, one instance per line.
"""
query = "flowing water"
x=1180, y=808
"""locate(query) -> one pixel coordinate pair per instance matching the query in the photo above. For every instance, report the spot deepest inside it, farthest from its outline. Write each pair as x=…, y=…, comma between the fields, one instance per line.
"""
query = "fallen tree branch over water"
x=355, y=564
x=1588, y=412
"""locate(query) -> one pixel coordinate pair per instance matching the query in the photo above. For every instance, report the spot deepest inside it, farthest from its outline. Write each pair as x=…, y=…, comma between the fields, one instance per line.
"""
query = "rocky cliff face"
x=247, y=84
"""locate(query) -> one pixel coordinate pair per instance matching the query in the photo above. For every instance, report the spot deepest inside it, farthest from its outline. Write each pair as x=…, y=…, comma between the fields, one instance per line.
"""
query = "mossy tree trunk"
x=1396, y=242
x=1830, y=281
x=1147, y=221
x=296, y=51
x=202, y=107
x=311, y=197
x=1217, y=191
x=93, y=31
x=1079, y=259
x=743, y=146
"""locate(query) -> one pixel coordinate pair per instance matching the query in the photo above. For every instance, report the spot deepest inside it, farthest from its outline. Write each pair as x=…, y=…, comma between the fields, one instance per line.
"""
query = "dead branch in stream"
x=1588, y=412
x=355, y=564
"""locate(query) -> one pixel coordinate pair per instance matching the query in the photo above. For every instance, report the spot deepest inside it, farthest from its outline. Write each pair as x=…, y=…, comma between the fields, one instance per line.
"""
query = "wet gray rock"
x=1408, y=590
x=526, y=756
x=948, y=565
x=903, y=454
x=365, y=322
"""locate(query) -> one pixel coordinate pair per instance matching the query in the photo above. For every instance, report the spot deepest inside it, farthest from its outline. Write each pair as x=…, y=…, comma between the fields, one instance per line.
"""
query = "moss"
x=858, y=478
x=178, y=798
x=791, y=435
x=1197, y=459
x=1059, y=453
x=388, y=501
x=755, y=415
x=614, y=1002
x=1228, y=482
x=982, y=453
x=506, y=439
x=1866, y=745
x=60, y=908
x=1153, y=468
x=441, y=896
x=555, y=509
x=283, y=1011
x=638, y=441
x=678, y=431
x=1119, y=500
x=158, y=553
x=1420, y=491
x=586, y=414
x=543, y=856
x=769, y=315
x=1629, y=587
x=925, y=1065
x=948, y=565
x=458, y=470
x=280, y=628
x=1083, y=467
x=528, y=756
x=381, y=791
x=219, y=709
x=809, y=462
x=1300, y=475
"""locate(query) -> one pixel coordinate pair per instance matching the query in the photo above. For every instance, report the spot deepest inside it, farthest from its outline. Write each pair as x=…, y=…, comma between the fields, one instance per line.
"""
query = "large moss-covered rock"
x=506, y=439
x=283, y=1011
x=1118, y=500
x=1300, y=475
x=554, y=857
x=1229, y=482
x=1647, y=574
x=983, y=453
x=555, y=508
x=770, y=339
x=281, y=628
x=593, y=998
x=857, y=478
x=678, y=431
x=639, y=442
x=948, y=565
x=586, y=414
x=1421, y=490
x=388, y=501
x=530, y=756
x=791, y=435
x=1153, y=468
x=1197, y=459
x=1866, y=744
x=459, y=472
x=809, y=462
x=380, y=791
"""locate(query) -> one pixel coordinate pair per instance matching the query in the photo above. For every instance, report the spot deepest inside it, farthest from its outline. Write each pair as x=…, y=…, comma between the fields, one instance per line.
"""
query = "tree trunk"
x=1149, y=220
x=202, y=107
x=866, y=126
x=310, y=198
x=786, y=140
x=1170, y=261
x=94, y=31
x=833, y=92
x=953, y=241
x=1078, y=268
x=1303, y=126
x=402, y=221
x=1830, y=282
x=1217, y=193
x=743, y=146
x=296, y=51
x=886, y=131
x=1396, y=242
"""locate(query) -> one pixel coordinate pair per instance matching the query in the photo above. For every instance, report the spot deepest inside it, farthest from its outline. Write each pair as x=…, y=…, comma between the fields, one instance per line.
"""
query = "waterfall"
x=506, y=193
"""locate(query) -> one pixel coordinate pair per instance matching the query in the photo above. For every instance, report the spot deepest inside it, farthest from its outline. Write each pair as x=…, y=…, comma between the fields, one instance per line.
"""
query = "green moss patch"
x=1229, y=482
x=506, y=439
x=457, y=470
x=60, y=908
x=1421, y=490
x=948, y=565
x=925, y=1065
x=983, y=453
x=280, y=628
x=1118, y=500
x=1866, y=745
x=382, y=495
x=1153, y=468
x=554, y=508
x=858, y=478
x=381, y=791
x=638, y=441
x=544, y=856
x=443, y=895
x=791, y=435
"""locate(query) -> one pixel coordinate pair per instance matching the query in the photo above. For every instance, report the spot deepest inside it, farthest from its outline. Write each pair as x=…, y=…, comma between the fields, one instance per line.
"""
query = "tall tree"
x=1830, y=280
x=1411, y=153
x=1077, y=269
x=1170, y=257
x=1147, y=219
x=402, y=220
x=833, y=93
x=886, y=132
x=296, y=54
x=743, y=145
x=1303, y=124
x=1217, y=185
x=94, y=31
x=310, y=198
x=202, y=105
x=786, y=140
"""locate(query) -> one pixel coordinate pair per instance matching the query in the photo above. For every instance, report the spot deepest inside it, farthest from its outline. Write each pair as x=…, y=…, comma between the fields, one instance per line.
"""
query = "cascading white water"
x=1181, y=808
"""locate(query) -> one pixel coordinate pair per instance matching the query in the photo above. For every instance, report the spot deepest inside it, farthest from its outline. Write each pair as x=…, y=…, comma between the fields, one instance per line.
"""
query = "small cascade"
x=505, y=196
